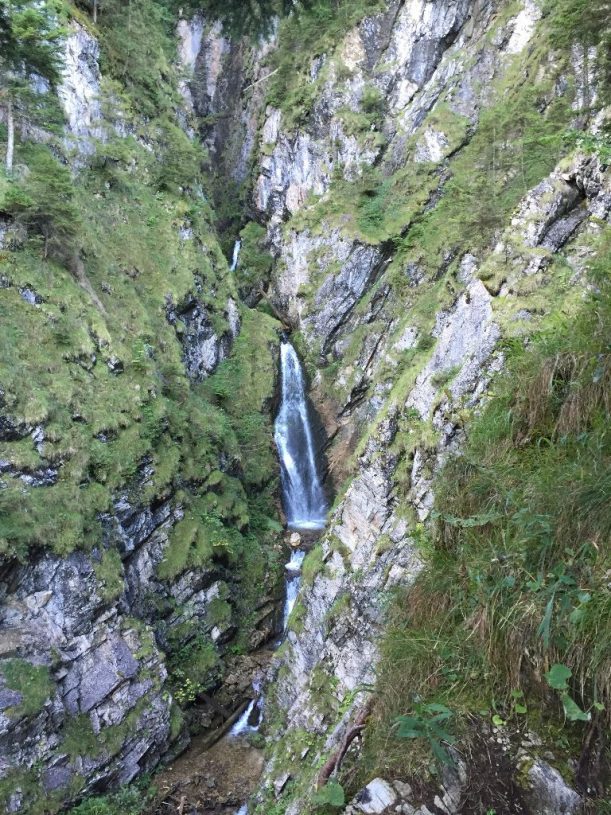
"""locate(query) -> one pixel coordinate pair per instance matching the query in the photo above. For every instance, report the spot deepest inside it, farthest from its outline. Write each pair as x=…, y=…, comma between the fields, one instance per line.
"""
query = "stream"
x=222, y=777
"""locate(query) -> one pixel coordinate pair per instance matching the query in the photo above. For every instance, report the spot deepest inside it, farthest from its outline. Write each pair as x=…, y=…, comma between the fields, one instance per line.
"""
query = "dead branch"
x=334, y=762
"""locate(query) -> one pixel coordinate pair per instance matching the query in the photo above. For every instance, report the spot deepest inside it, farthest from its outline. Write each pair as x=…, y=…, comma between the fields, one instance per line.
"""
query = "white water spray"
x=243, y=725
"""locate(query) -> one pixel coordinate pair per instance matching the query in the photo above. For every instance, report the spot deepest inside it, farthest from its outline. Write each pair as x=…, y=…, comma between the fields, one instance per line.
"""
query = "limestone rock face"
x=220, y=71
x=80, y=90
x=549, y=793
x=204, y=348
x=399, y=383
x=104, y=679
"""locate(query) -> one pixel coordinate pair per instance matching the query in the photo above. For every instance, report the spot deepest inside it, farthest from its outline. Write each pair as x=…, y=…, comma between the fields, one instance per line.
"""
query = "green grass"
x=516, y=566
x=314, y=31
x=33, y=682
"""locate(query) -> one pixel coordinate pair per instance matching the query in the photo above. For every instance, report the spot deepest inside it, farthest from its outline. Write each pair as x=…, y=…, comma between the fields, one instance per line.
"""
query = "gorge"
x=304, y=407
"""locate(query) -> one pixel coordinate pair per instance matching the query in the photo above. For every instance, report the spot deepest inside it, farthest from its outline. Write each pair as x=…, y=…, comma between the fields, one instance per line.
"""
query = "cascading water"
x=304, y=501
x=248, y=723
x=236, y=255
x=293, y=581
x=303, y=497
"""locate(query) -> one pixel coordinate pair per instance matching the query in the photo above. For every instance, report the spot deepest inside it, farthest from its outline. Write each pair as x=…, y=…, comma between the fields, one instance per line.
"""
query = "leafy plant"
x=428, y=722
x=557, y=678
x=332, y=794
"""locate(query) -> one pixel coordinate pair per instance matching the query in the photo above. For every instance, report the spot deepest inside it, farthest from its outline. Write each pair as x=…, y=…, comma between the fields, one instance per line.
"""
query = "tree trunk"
x=95, y=11
x=10, y=146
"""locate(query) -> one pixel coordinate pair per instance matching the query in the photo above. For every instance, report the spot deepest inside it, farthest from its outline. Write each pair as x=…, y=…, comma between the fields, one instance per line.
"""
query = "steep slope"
x=137, y=490
x=426, y=214
x=424, y=198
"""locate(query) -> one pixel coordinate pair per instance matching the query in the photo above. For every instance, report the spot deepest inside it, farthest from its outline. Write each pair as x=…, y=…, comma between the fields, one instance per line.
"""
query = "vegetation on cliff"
x=517, y=567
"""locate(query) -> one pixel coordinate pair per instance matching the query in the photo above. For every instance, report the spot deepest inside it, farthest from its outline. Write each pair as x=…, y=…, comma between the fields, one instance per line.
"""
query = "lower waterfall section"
x=222, y=775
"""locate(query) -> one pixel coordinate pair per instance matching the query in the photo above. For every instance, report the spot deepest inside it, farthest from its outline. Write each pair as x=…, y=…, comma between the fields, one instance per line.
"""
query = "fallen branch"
x=334, y=762
x=263, y=78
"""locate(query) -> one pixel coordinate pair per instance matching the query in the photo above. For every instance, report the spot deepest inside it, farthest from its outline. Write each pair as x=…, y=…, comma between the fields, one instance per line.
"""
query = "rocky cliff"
x=128, y=527
x=419, y=218
x=422, y=189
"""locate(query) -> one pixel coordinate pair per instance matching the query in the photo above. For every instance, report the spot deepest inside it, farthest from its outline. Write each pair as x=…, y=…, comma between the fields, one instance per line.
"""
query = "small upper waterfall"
x=303, y=497
x=236, y=255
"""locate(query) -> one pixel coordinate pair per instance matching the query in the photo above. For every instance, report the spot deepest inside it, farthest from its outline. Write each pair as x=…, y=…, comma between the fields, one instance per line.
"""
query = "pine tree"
x=30, y=52
x=252, y=18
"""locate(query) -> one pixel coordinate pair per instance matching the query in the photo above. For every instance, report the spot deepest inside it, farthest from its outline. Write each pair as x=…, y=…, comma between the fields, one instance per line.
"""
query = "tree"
x=241, y=17
x=30, y=38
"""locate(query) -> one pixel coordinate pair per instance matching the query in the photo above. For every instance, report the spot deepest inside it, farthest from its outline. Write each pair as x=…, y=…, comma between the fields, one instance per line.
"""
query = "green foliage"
x=33, y=682
x=319, y=26
x=332, y=794
x=137, y=48
x=587, y=23
x=254, y=19
x=557, y=678
x=79, y=738
x=255, y=263
x=429, y=722
x=193, y=669
x=244, y=386
x=44, y=201
x=109, y=572
x=313, y=564
x=131, y=800
x=30, y=45
x=181, y=159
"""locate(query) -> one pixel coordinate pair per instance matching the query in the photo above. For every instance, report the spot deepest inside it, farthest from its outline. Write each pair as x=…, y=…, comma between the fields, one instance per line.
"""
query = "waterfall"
x=243, y=724
x=236, y=255
x=293, y=580
x=303, y=497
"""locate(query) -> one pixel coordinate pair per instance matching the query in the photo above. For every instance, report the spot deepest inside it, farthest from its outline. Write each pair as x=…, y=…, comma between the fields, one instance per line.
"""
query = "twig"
x=263, y=78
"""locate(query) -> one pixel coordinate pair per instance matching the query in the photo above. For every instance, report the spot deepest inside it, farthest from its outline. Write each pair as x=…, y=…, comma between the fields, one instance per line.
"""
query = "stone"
x=295, y=540
x=548, y=793
x=374, y=799
x=9, y=698
x=280, y=783
x=115, y=365
x=79, y=91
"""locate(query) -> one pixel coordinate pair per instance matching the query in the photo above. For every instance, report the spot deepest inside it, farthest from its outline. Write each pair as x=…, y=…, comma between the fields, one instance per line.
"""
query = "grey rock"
x=9, y=698
x=115, y=365
x=56, y=778
x=80, y=92
x=204, y=349
x=374, y=799
x=30, y=296
x=549, y=794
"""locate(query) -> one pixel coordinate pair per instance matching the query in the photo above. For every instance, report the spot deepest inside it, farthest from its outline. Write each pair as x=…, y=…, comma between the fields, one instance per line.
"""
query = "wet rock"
x=295, y=540
x=204, y=348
